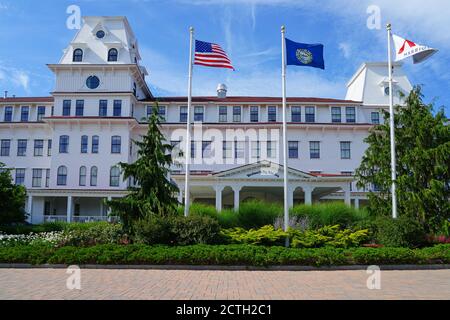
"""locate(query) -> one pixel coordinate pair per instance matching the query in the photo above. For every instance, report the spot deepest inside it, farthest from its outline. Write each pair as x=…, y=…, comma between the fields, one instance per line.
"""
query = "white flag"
x=405, y=48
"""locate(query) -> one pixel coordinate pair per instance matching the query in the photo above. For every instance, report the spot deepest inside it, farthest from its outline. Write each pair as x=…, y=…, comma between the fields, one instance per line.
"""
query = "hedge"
x=244, y=255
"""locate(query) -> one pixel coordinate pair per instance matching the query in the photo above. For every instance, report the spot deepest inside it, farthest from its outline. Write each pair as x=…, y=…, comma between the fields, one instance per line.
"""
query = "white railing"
x=86, y=219
x=55, y=218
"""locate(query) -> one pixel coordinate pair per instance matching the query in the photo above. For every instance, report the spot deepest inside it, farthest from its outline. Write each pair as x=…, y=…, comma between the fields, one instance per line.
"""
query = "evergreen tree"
x=12, y=199
x=153, y=193
x=423, y=163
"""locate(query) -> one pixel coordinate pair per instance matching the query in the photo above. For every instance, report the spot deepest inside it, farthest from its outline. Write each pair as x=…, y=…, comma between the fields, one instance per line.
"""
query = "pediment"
x=261, y=171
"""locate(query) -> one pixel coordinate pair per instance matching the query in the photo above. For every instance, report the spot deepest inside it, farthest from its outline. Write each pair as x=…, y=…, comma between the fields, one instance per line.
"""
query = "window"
x=92, y=82
x=95, y=143
x=134, y=89
x=336, y=115
x=100, y=34
x=103, y=108
x=117, y=111
x=22, y=148
x=113, y=55
x=293, y=149
x=49, y=148
x=114, y=177
x=4, y=149
x=272, y=114
x=198, y=114
x=183, y=114
x=149, y=111
x=310, y=114
x=24, y=114
x=193, y=155
x=256, y=150
x=296, y=114
x=64, y=144
x=223, y=114
x=66, y=108
x=82, y=180
x=84, y=144
x=350, y=114
x=8, y=114
x=271, y=149
x=47, y=178
x=227, y=150
x=77, y=55
x=237, y=111
x=94, y=173
x=116, y=142
x=38, y=148
x=79, y=108
x=40, y=113
x=20, y=177
x=314, y=149
x=375, y=117
x=162, y=113
x=37, y=178
x=62, y=176
x=206, y=149
x=239, y=149
x=254, y=114
x=345, y=150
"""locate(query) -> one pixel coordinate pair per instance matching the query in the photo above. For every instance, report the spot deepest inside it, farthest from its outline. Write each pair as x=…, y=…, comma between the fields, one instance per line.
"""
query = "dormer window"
x=100, y=34
x=113, y=55
x=77, y=55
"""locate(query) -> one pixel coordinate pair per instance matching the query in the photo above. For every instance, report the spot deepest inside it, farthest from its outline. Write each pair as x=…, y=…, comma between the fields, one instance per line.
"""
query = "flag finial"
x=191, y=29
x=283, y=29
x=389, y=26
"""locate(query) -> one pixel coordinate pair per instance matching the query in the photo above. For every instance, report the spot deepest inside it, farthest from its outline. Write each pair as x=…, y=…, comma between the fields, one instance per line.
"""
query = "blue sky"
x=33, y=34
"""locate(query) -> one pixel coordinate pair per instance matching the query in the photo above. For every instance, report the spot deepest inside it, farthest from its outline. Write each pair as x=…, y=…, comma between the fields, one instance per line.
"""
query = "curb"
x=228, y=268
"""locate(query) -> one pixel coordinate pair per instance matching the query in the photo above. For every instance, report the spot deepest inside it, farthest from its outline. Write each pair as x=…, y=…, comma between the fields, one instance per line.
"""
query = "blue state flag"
x=302, y=54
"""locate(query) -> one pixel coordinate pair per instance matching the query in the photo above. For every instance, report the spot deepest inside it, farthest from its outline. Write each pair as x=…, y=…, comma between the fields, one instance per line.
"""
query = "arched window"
x=95, y=143
x=113, y=55
x=77, y=55
x=82, y=176
x=62, y=176
x=94, y=173
x=114, y=177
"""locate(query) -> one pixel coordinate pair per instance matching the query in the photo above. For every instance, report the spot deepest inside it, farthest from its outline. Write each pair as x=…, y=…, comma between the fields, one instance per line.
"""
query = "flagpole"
x=285, y=163
x=392, y=127
x=188, y=128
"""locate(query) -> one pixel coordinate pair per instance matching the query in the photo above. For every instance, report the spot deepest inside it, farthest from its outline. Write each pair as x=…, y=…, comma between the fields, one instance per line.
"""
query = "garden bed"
x=227, y=255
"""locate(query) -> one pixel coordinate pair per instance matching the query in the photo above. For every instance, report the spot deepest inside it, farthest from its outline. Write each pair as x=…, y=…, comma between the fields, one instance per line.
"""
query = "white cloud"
x=17, y=77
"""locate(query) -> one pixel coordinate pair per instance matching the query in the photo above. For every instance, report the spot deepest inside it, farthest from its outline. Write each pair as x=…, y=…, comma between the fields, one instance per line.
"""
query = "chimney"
x=222, y=91
x=6, y=95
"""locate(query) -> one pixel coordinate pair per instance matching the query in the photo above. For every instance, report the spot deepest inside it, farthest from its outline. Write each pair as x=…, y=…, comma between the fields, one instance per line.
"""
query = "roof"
x=252, y=99
x=26, y=99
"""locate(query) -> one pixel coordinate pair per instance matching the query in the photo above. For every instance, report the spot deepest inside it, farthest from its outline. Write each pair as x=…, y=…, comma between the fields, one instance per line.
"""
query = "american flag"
x=211, y=55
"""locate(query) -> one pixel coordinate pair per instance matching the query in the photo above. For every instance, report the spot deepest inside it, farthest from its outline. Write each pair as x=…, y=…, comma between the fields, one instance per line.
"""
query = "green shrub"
x=228, y=219
x=245, y=255
x=27, y=229
x=257, y=214
x=401, y=232
x=177, y=230
x=196, y=230
x=91, y=234
x=264, y=236
x=328, y=236
x=330, y=214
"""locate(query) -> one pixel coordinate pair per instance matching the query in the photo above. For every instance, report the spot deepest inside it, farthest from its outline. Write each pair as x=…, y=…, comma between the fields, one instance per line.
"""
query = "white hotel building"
x=65, y=148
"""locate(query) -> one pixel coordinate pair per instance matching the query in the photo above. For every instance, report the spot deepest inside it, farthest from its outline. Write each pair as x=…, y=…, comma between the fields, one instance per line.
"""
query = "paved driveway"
x=224, y=285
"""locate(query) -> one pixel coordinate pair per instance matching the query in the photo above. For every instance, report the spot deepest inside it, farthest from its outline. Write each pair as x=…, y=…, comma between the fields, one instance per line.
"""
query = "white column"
x=180, y=196
x=69, y=209
x=219, y=190
x=108, y=212
x=291, y=197
x=237, y=191
x=356, y=203
x=30, y=209
x=308, y=195
x=347, y=195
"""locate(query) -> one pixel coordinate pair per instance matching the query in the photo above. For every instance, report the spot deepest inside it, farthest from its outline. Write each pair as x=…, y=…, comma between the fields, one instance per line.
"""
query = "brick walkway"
x=224, y=285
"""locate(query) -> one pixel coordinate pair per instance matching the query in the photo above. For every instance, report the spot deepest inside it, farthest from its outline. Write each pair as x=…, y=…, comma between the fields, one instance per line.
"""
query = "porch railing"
x=79, y=219
x=55, y=218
